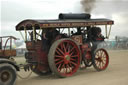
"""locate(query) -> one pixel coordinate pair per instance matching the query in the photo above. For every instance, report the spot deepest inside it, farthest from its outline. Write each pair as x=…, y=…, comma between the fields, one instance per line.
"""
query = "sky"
x=14, y=11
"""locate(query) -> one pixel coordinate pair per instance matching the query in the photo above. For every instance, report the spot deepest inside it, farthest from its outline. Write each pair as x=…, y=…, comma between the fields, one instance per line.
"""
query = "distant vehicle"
x=8, y=67
x=62, y=45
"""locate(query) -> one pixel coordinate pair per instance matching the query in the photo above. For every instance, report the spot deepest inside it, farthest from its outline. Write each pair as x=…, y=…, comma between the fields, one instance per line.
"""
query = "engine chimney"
x=74, y=16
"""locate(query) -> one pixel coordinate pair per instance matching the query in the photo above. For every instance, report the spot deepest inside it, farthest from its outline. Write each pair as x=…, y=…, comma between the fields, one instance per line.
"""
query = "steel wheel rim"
x=101, y=59
x=67, y=58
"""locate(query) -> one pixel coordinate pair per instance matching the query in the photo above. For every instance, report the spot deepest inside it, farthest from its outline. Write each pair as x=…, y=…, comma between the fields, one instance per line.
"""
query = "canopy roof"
x=29, y=24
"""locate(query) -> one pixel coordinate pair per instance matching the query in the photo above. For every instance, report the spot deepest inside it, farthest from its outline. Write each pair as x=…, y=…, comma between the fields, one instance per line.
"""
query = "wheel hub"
x=5, y=76
x=99, y=59
x=67, y=58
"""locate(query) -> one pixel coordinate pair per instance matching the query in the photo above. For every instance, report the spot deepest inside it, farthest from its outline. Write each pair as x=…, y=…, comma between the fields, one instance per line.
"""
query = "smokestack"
x=88, y=5
x=74, y=16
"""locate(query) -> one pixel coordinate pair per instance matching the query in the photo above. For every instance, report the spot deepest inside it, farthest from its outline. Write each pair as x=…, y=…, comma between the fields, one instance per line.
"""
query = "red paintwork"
x=67, y=55
x=88, y=55
x=38, y=54
x=67, y=58
x=101, y=59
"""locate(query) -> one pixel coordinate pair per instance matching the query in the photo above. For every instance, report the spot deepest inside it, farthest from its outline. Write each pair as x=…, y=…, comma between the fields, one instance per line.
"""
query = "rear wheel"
x=64, y=57
x=7, y=74
x=100, y=59
x=87, y=58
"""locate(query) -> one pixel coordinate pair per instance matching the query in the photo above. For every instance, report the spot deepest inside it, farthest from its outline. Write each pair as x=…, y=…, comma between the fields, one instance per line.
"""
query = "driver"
x=95, y=37
x=48, y=35
x=96, y=34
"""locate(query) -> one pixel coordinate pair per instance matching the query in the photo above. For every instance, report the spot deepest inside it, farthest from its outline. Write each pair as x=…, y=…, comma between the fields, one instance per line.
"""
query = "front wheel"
x=7, y=74
x=100, y=59
x=64, y=57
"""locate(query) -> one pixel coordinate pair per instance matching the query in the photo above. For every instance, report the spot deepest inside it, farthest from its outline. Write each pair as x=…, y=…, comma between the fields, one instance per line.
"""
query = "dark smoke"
x=88, y=5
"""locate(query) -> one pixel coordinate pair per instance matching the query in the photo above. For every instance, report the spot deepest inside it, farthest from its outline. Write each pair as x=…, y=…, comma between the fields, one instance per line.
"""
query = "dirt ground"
x=115, y=74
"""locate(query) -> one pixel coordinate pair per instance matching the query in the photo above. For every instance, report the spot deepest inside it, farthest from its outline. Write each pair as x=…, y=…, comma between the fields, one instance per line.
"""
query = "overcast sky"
x=14, y=11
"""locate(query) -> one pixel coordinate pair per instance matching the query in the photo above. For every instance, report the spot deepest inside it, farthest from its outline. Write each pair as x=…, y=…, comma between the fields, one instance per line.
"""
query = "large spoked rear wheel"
x=7, y=74
x=64, y=57
x=100, y=59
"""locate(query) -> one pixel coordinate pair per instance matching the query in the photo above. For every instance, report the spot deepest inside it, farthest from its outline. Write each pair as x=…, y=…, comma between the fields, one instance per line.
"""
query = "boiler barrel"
x=74, y=16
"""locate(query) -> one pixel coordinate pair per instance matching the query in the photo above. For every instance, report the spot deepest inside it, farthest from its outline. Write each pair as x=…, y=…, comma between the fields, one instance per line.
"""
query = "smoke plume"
x=88, y=5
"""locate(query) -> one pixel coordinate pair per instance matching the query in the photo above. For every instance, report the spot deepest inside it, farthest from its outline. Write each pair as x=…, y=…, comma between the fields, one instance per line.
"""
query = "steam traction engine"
x=61, y=46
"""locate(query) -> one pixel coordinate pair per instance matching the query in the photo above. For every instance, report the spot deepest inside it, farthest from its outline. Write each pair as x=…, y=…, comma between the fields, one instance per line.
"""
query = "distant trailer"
x=8, y=67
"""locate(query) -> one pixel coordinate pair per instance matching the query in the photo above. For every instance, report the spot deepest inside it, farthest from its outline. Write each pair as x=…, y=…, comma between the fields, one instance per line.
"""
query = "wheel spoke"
x=67, y=47
x=73, y=59
x=59, y=62
x=70, y=64
x=61, y=45
x=102, y=53
x=73, y=63
x=98, y=53
x=103, y=61
x=74, y=56
x=64, y=47
x=101, y=65
x=71, y=49
x=96, y=56
x=59, y=56
x=58, y=59
x=69, y=68
x=97, y=63
x=62, y=68
x=65, y=68
x=71, y=53
x=60, y=51
x=59, y=67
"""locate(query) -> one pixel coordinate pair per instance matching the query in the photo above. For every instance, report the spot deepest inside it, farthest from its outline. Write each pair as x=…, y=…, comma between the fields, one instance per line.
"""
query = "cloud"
x=109, y=7
x=121, y=18
x=14, y=11
x=120, y=27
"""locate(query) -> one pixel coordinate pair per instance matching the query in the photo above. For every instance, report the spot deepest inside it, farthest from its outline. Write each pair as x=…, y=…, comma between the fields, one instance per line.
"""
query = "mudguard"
x=2, y=60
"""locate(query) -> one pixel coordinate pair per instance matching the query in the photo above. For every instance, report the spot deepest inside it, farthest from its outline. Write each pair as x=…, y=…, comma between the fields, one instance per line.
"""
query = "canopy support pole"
x=25, y=34
x=69, y=31
x=34, y=33
x=106, y=31
x=22, y=35
x=109, y=31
